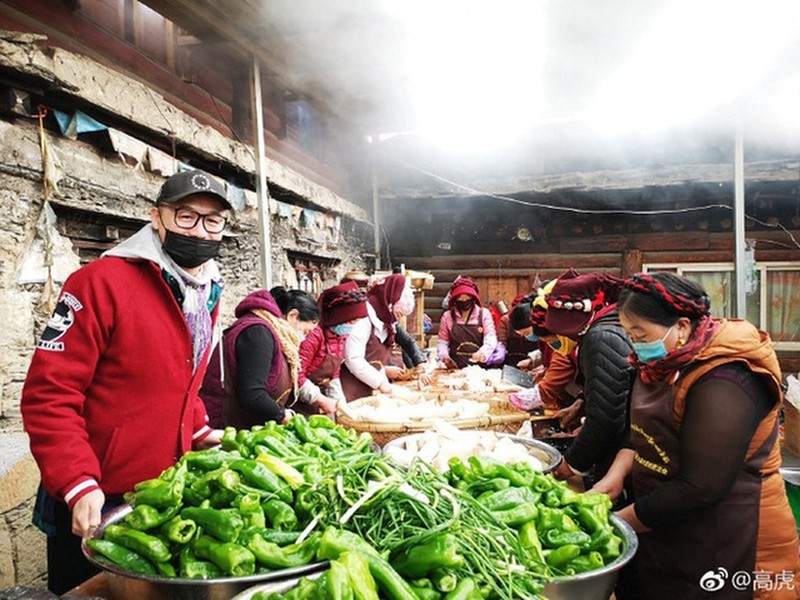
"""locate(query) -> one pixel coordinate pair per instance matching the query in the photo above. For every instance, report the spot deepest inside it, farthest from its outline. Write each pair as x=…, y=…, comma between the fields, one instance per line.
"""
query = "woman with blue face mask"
x=322, y=351
x=703, y=453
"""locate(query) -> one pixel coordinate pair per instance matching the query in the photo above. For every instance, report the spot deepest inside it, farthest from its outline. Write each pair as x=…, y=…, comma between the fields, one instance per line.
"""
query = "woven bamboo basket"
x=502, y=417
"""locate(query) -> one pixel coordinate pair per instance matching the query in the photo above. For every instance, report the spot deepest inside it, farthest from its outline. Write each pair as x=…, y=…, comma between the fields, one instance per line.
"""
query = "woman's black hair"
x=520, y=317
x=296, y=299
x=663, y=298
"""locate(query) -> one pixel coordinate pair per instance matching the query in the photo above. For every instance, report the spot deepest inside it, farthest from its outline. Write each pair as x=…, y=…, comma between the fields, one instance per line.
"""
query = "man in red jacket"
x=111, y=396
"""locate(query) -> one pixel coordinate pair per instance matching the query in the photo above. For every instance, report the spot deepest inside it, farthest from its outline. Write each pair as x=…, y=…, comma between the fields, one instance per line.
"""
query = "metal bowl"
x=549, y=456
x=125, y=585
x=592, y=585
x=597, y=584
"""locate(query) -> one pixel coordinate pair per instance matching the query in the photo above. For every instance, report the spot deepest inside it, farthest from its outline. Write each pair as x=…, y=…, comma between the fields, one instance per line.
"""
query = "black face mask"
x=464, y=304
x=189, y=252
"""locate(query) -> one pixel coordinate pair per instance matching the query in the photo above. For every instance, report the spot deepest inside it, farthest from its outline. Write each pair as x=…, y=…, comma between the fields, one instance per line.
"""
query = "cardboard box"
x=791, y=428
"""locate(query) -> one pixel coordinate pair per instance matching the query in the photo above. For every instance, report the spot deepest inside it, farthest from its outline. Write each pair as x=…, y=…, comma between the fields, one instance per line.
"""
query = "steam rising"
x=524, y=76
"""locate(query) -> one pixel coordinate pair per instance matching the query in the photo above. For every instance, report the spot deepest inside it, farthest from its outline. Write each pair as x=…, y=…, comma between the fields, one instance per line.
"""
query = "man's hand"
x=86, y=513
x=212, y=440
x=450, y=363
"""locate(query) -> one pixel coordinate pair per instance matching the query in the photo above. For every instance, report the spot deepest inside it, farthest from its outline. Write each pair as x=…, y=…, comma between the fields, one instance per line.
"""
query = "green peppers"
x=439, y=551
x=514, y=517
x=259, y=476
x=584, y=562
x=191, y=567
x=338, y=583
x=140, y=542
x=529, y=540
x=276, y=557
x=508, y=498
x=558, y=557
x=179, y=530
x=122, y=556
x=361, y=580
x=553, y=538
x=282, y=469
x=232, y=558
x=224, y=524
x=144, y=516
x=465, y=590
x=488, y=467
x=281, y=516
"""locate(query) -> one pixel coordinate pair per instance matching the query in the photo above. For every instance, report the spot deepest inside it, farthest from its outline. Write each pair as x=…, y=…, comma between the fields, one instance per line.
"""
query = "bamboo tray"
x=502, y=417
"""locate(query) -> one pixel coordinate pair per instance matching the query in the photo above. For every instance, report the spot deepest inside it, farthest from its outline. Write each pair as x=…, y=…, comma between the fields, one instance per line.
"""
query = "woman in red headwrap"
x=466, y=331
x=322, y=350
x=709, y=504
x=368, y=351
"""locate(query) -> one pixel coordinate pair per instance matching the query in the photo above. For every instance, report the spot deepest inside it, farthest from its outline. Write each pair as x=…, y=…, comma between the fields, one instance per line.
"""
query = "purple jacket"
x=214, y=388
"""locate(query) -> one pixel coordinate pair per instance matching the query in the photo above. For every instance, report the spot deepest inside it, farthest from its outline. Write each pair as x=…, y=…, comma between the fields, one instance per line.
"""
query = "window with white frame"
x=772, y=301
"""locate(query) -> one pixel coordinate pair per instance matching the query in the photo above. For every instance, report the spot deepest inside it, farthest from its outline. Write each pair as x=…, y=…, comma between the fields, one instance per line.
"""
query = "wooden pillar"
x=631, y=262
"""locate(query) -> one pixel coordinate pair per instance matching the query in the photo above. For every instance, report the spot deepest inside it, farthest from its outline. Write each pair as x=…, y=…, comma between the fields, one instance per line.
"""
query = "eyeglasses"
x=186, y=218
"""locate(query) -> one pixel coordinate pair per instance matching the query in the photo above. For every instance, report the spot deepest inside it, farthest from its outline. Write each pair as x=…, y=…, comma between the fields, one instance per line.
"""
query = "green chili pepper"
x=362, y=442
x=553, y=538
x=179, y=530
x=489, y=467
x=338, y=585
x=122, y=556
x=281, y=516
x=334, y=542
x=229, y=442
x=426, y=593
x=583, y=563
x=232, y=558
x=224, y=524
x=259, y=476
x=277, y=557
x=251, y=511
x=191, y=567
x=144, y=516
x=361, y=580
x=439, y=551
x=283, y=470
x=591, y=519
x=529, y=540
x=303, y=430
x=160, y=493
x=481, y=486
x=444, y=580
x=147, y=545
x=457, y=470
x=313, y=473
x=542, y=483
x=282, y=538
x=208, y=460
x=558, y=557
x=508, y=498
x=514, y=517
x=607, y=543
x=166, y=569
x=465, y=590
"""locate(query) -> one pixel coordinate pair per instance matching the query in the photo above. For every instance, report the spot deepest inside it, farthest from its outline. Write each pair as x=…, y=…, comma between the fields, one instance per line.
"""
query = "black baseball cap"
x=187, y=183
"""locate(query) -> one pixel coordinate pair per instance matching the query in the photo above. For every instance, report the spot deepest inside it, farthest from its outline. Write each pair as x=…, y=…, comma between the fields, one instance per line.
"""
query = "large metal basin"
x=125, y=585
x=597, y=584
x=593, y=585
x=549, y=456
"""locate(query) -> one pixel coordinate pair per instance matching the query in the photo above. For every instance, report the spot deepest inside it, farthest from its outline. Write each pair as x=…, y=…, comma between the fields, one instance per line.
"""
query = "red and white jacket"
x=111, y=397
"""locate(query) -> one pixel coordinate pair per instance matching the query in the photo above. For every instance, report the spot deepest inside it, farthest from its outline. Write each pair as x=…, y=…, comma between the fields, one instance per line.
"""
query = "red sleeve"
x=61, y=371
x=311, y=353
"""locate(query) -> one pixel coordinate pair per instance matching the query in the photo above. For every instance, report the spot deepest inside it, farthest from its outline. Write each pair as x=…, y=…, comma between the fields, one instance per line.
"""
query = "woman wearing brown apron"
x=322, y=351
x=368, y=350
x=710, y=505
x=466, y=332
x=258, y=379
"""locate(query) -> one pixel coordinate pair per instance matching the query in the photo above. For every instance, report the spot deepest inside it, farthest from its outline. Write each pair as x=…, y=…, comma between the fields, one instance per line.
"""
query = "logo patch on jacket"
x=60, y=321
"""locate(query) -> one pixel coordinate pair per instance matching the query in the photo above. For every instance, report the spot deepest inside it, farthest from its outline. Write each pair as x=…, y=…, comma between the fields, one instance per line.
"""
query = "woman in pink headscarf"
x=368, y=350
x=466, y=332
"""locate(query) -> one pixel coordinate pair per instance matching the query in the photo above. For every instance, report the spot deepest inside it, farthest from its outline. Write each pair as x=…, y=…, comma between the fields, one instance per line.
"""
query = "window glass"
x=783, y=305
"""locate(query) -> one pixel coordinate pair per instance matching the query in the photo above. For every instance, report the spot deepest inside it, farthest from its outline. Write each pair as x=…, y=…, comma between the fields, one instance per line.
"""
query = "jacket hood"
x=258, y=299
